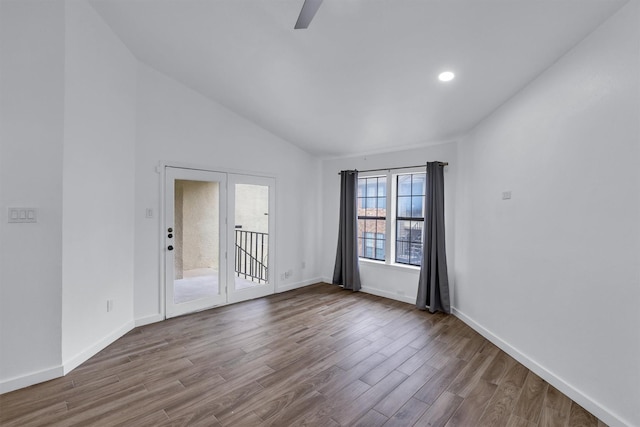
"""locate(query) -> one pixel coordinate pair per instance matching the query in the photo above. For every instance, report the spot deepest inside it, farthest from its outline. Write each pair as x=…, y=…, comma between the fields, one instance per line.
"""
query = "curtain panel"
x=433, y=284
x=346, y=272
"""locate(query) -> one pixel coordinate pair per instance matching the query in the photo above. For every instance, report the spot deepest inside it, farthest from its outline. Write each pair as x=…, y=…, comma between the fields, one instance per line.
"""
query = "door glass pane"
x=251, y=235
x=196, y=240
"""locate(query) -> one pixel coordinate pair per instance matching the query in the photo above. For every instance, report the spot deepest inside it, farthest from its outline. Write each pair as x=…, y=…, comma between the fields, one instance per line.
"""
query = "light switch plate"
x=19, y=215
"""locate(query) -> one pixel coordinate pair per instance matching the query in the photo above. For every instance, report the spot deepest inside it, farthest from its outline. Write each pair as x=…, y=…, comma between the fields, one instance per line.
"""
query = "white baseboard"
x=30, y=379
x=387, y=294
x=576, y=395
x=147, y=320
x=302, y=284
x=67, y=366
x=94, y=349
x=380, y=293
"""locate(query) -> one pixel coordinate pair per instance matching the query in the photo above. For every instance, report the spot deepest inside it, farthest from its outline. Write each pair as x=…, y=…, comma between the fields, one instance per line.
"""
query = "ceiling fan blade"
x=309, y=9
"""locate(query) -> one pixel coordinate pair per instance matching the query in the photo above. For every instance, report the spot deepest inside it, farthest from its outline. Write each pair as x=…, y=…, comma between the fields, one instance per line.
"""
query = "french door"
x=251, y=240
x=219, y=239
x=195, y=243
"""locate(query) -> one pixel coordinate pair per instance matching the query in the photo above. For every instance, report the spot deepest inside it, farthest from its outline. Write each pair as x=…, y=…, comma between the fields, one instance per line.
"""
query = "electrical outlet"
x=506, y=195
x=303, y=265
x=109, y=305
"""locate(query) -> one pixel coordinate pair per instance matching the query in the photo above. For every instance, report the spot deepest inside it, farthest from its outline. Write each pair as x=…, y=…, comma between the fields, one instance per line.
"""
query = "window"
x=372, y=217
x=404, y=227
x=410, y=217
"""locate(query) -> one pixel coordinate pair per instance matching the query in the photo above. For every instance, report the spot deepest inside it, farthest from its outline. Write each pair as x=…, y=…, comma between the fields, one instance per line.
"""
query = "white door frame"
x=237, y=295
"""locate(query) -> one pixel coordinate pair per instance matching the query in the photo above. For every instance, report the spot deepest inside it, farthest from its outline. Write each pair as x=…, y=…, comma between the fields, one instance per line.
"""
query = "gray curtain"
x=347, y=272
x=433, y=286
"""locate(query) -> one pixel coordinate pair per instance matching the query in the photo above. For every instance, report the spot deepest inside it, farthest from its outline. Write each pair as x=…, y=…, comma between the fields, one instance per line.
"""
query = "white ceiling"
x=363, y=77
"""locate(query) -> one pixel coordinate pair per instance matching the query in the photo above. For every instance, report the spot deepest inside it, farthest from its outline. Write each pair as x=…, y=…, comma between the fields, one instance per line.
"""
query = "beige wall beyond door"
x=196, y=225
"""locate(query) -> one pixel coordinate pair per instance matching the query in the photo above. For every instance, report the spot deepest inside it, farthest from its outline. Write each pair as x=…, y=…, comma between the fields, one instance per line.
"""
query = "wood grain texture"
x=579, y=417
x=555, y=409
x=441, y=411
x=529, y=405
x=408, y=414
x=472, y=407
x=316, y=356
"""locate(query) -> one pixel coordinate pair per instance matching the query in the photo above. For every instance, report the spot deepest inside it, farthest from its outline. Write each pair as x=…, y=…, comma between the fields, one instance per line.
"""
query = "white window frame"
x=386, y=254
x=390, y=224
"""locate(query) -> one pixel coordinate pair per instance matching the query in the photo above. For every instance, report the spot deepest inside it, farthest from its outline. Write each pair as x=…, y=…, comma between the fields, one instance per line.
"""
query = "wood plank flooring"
x=316, y=356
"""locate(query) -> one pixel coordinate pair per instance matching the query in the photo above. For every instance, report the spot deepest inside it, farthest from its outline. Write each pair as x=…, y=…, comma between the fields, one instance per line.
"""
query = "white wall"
x=98, y=181
x=31, y=136
x=176, y=124
x=553, y=273
x=396, y=282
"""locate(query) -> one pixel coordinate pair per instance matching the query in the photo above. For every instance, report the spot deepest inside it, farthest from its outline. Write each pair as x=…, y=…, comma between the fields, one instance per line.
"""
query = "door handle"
x=170, y=247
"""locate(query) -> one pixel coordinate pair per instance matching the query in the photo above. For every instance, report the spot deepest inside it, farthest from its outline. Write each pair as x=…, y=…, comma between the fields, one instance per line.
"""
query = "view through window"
x=372, y=217
x=410, y=217
x=405, y=226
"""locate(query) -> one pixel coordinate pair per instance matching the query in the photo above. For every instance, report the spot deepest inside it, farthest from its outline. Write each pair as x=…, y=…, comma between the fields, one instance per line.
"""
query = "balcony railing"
x=252, y=253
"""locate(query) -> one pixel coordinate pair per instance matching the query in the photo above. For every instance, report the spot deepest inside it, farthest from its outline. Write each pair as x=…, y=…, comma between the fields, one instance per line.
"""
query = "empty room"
x=320, y=213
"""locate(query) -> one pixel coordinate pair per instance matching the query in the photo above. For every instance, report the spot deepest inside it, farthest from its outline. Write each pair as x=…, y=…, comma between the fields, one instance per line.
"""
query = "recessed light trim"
x=446, y=76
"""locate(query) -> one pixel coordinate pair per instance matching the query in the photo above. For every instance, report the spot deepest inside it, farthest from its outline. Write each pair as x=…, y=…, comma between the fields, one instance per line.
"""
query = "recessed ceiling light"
x=446, y=76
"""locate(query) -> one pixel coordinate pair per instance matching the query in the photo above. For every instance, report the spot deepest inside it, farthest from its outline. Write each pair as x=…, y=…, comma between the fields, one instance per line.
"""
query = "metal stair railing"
x=252, y=252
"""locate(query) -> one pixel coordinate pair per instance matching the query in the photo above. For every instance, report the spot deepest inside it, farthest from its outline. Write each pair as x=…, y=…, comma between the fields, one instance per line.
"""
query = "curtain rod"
x=399, y=167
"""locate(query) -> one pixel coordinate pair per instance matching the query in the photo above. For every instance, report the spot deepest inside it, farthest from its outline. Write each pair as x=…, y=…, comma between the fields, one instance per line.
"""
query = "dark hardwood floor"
x=316, y=356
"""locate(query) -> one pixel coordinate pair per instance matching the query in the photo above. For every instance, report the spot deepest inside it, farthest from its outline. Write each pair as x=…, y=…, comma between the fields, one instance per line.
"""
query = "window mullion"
x=390, y=223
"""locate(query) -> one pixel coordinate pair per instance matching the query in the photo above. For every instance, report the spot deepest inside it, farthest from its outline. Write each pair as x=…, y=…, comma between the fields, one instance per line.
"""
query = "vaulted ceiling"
x=363, y=77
